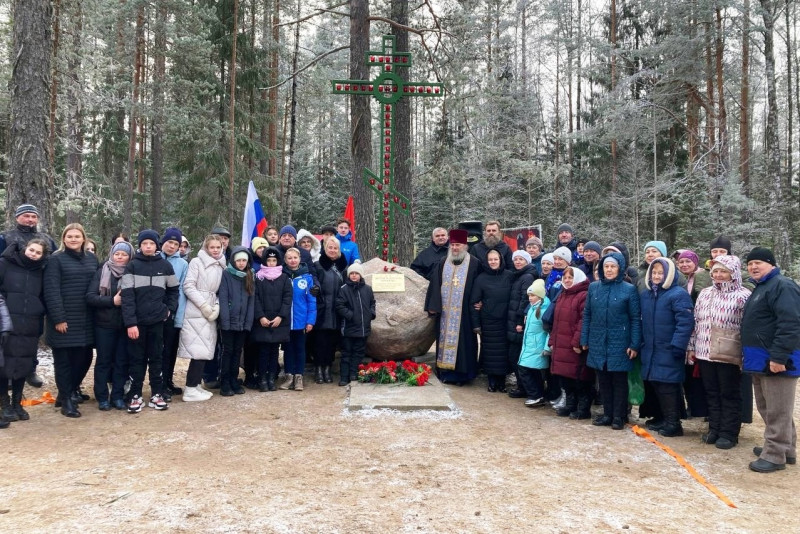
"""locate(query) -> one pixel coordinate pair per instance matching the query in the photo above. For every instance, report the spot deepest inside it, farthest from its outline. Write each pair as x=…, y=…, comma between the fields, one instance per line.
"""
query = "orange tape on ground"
x=46, y=398
x=642, y=433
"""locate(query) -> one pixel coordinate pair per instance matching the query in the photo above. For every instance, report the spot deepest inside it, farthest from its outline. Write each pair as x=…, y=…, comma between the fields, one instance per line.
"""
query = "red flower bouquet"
x=413, y=374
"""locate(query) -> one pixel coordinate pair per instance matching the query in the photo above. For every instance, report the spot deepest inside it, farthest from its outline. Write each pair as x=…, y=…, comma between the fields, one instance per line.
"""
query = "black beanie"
x=762, y=254
x=564, y=227
x=722, y=242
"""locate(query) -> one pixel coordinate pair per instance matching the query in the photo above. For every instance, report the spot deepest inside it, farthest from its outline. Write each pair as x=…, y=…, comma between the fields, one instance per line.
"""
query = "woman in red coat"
x=568, y=360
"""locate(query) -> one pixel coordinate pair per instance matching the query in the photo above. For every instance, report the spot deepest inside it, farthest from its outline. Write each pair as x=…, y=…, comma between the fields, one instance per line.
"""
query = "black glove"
x=3, y=338
x=314, y=291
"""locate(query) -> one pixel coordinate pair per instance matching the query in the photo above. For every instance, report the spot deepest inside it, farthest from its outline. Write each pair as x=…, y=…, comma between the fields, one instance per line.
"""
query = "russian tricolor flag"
x=254, y=222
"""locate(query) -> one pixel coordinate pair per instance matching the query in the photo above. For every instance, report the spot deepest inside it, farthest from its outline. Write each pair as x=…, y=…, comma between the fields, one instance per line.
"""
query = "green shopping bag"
x=635, y=383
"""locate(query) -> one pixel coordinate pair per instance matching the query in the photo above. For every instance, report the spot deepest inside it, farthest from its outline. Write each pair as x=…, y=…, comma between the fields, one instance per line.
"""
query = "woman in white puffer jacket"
x=199, y=332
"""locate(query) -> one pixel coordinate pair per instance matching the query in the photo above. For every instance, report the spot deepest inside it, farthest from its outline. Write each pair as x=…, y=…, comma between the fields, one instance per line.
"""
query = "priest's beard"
x=491, y=241
x=457, y=258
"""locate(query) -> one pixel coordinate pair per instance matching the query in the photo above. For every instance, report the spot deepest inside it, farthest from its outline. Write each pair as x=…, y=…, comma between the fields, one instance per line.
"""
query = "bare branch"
x=308, y=65
x=318, y=11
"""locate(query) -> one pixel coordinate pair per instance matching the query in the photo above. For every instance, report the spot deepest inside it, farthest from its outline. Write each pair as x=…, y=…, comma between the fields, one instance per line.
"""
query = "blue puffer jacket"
x=612, y=321
x=181, y=267
x=304, y=304
x=534, y=341
x=349, y=248
x=771, y=326
x=667, y=324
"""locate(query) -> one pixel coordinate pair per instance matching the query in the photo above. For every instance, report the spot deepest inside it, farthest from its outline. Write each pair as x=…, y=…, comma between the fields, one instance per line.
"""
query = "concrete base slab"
x=431, y=396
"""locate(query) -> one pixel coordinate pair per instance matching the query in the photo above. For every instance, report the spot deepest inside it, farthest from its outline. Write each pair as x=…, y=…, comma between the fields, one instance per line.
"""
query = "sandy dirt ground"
x=290, y=461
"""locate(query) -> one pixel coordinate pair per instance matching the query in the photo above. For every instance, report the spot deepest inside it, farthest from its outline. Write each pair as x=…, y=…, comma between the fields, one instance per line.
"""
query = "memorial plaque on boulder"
x=402, y=328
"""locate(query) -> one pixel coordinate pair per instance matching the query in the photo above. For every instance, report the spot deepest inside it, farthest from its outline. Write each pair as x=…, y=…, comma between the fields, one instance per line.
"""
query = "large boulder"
x=402, y=328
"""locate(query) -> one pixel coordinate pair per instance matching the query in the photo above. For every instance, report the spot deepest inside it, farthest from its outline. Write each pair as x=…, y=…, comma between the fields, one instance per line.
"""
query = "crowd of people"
x=571, y=325
x=575, y=324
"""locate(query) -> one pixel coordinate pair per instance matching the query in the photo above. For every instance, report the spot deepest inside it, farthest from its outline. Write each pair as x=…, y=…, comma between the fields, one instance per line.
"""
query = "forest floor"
x=301, y=462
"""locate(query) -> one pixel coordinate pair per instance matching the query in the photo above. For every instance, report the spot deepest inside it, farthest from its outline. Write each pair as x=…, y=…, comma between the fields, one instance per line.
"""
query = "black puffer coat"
x=521, y=280
x=493, y=289
x=273, y=299
x=66, y=281
x=356, y=307
x=21, y=285
x=331, y=275
x=106, y=314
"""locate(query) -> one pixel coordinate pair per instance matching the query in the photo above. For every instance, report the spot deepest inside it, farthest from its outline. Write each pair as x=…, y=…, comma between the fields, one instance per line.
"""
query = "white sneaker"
x=204, y=391
x=195, y=394
x=533, y=403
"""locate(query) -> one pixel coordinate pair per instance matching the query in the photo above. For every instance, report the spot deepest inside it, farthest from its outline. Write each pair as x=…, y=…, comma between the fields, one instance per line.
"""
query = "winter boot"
x=288, y=382
x=271, y=382
x=670, y=406
x=69, y=408
x=8, y=412
x=344, y=372
x=584, y=409
x=16, y=400
x=318, y=379
x=263, y=385
x=326, y=374
x=570, y=405
x=298, y=382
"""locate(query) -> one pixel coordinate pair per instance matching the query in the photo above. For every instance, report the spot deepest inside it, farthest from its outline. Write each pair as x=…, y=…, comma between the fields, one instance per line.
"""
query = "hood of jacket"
x=15, y=254
x=207, y=259
x=316, y=246
x=670, y=273
x=734, y=265
x=622, y=266
x=238, y=249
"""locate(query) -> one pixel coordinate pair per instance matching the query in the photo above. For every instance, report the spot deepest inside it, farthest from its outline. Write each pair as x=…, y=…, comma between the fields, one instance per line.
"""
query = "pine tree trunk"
x=613, y=39
x=776, y=208
x=133, y=127
x=744, y=102
x=360, y=126
x=156, y=150
x=722, y=113
x=403, y=224
x=232, y=115
x=74, y=116
x=30, y=174
x=292, y=123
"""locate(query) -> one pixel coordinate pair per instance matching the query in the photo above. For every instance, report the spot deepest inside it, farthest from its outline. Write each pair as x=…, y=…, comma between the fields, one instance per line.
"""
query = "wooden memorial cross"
x=387, y=89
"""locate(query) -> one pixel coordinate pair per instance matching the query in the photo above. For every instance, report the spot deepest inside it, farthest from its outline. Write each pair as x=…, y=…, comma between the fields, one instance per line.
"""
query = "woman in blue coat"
x=612, y=333
x=667, y=324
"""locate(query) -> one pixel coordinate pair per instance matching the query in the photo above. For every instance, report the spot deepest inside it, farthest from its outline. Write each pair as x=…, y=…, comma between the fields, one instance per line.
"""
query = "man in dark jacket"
x=492, y=240
x=426, y=260
x=27, y=218
x=771, y=346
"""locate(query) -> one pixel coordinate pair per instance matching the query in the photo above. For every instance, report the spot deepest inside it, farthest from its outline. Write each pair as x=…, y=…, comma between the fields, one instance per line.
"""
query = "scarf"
x=235, y=272
x=109, y=269
x=269, y=273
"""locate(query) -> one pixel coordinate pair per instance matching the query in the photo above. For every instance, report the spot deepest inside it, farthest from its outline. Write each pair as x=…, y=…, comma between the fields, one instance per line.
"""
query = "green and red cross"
x=387, y=89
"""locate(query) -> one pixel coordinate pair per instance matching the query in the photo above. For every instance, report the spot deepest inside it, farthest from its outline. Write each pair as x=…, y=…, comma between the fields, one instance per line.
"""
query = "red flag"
x=350, y=215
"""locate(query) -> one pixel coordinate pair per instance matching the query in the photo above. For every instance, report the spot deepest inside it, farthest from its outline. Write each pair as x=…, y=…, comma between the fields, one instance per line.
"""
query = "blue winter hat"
x=660, y=245
x=172, y=234
x=288, y=229
x=144, y=235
